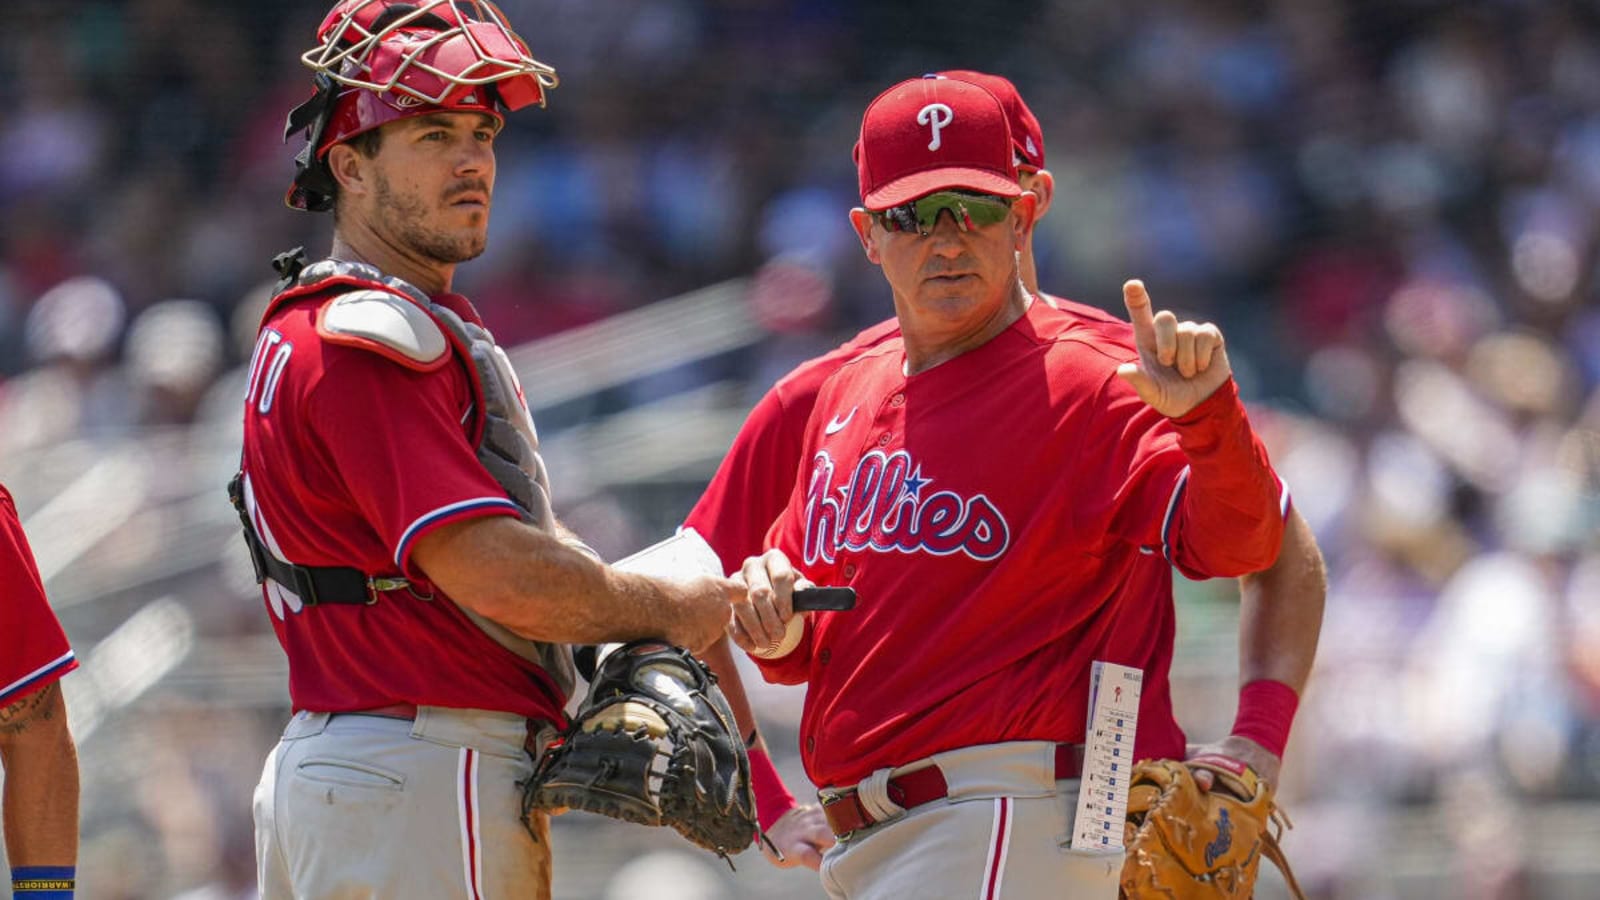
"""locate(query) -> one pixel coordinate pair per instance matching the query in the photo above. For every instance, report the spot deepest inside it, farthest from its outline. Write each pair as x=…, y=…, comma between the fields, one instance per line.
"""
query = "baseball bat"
x=824, y=599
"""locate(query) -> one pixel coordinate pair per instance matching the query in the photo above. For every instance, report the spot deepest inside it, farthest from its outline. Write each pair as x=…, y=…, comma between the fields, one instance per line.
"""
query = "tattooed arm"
x=41, y=789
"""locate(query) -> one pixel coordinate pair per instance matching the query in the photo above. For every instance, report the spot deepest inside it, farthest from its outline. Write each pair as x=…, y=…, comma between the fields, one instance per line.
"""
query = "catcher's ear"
x=345, y=164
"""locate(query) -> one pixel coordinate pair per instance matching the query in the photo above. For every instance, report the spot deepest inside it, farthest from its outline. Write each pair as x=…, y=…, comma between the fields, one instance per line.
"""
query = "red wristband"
x=772, y=798
x=1266, y=710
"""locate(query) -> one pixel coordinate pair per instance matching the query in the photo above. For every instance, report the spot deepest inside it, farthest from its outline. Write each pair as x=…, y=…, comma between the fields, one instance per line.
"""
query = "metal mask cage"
x=350, y=43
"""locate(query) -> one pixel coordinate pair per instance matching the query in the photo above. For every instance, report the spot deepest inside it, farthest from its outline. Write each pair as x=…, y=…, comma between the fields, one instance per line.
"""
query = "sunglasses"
x=969, y=210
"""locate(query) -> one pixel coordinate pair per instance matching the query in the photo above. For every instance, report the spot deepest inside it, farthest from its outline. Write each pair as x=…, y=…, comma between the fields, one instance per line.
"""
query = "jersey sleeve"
x=33, y=649
x=1199, y=489
x=1229, y=518
x=399, y=439
x=752, y=485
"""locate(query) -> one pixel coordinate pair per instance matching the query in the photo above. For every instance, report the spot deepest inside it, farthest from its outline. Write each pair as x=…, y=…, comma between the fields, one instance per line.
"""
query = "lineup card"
x=684, y=555
x=1108, y=756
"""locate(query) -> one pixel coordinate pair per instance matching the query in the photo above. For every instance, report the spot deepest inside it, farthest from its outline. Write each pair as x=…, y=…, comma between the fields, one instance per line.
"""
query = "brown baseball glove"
x=1187, y=845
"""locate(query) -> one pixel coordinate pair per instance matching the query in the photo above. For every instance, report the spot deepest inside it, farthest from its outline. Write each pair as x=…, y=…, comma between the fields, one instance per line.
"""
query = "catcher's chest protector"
x=502, y=428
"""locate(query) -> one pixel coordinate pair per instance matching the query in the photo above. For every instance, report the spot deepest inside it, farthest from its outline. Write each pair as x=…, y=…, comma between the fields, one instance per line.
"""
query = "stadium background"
x=1388, y=206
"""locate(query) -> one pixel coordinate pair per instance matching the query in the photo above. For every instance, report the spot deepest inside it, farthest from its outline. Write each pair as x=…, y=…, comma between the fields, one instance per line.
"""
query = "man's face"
x=433, y=178
x=950, y=273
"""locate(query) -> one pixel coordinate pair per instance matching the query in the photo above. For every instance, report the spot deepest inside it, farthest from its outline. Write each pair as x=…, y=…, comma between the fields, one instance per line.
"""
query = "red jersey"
x=349, y=458
x=33, y=649
x=991, y=513
x=752, y=486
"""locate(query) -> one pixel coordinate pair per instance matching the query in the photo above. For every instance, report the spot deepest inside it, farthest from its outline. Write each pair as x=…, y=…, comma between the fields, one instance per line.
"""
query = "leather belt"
x=408, y=712
x=392, y=711
x=846, y=815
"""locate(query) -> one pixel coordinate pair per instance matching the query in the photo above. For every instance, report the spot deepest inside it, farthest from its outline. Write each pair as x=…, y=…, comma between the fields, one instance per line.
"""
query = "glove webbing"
x=1272, y=851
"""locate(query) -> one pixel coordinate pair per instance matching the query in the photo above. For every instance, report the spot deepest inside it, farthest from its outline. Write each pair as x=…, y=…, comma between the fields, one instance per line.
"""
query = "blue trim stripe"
x=1283, y=497
x=449, y=511
x=43, y=673
x=1172, y=507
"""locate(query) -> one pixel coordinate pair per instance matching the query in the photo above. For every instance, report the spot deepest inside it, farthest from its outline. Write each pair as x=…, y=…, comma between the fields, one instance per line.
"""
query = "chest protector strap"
x=501, y=429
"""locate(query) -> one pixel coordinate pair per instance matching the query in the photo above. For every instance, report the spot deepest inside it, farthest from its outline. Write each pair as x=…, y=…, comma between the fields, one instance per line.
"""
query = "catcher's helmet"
x=378, y=61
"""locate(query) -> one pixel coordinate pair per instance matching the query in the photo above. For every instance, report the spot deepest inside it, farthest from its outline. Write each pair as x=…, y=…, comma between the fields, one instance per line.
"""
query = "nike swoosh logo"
x=835, y=424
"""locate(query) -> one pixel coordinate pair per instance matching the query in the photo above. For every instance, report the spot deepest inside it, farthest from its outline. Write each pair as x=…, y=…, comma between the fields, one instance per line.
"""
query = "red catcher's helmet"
x=379, y=61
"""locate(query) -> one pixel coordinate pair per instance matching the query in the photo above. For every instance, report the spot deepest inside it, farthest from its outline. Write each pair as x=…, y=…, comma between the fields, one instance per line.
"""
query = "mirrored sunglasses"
x=969, y=210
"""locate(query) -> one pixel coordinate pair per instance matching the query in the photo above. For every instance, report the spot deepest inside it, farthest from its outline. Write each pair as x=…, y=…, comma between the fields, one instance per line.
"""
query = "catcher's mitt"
x=1186, y=845
x=655, y=743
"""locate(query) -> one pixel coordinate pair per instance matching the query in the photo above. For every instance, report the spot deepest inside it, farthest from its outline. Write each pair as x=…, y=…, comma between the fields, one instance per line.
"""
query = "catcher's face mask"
x=969, y=210
x=378, y=62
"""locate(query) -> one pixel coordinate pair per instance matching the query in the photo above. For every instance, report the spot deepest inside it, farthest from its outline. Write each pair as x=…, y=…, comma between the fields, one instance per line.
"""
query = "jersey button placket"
x=889, y=415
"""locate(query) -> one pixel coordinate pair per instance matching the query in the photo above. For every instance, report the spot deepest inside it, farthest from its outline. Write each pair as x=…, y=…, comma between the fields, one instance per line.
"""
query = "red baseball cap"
x=931, y=134
x=1026, y=136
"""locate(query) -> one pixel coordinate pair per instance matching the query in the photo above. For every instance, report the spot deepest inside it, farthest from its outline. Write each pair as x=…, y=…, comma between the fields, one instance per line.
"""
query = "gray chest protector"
x=389, y=316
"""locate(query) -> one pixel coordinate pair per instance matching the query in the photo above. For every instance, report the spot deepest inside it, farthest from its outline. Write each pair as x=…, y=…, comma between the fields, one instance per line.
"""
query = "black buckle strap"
x=314, y=585
x=323, y=584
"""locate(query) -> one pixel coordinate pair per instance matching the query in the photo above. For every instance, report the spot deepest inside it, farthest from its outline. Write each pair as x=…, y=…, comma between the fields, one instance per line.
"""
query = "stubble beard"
x=406, y=218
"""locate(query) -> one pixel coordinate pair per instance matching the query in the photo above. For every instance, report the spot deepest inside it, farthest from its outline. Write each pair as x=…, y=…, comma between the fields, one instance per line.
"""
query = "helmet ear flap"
x=314, y=188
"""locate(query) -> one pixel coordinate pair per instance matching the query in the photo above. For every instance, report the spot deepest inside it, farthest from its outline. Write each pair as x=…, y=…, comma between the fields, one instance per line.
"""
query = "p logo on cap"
x=933, y=134
x=936, y=116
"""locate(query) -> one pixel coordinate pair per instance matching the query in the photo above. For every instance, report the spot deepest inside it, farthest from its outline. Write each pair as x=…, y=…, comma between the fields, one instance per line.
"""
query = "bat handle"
x=824, y=599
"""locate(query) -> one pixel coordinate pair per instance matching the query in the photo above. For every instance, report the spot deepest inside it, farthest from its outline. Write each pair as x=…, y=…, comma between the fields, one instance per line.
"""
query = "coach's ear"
x=1043, y=185
x=863, y=222
x=1024, y=215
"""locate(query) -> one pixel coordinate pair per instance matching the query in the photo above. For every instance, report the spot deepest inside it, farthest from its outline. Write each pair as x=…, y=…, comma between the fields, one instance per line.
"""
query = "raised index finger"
x=1137, y=300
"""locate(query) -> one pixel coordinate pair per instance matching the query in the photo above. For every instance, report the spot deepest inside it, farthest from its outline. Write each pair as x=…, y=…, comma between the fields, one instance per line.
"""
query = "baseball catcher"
x=1185, y=844
x=654, y=742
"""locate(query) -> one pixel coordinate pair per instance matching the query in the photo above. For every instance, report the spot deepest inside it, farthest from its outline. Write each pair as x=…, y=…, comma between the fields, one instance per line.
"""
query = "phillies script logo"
x=885, y=505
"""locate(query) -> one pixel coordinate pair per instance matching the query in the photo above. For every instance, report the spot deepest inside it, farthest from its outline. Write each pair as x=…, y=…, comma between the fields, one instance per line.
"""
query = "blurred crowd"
x=1390, y=207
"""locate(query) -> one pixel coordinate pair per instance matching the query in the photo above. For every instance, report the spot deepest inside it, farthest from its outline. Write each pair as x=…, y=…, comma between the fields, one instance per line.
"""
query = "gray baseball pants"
x=354, y=806
x=1003, y=833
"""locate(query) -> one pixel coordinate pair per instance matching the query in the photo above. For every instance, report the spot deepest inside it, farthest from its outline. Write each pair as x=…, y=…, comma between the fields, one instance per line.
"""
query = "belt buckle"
x=829, y=797
x=378, y=584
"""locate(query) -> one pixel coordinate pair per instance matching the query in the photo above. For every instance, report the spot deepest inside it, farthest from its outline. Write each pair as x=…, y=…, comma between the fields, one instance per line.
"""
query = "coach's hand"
x=1180, y=363
x=801, y=835
x=761, y=618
